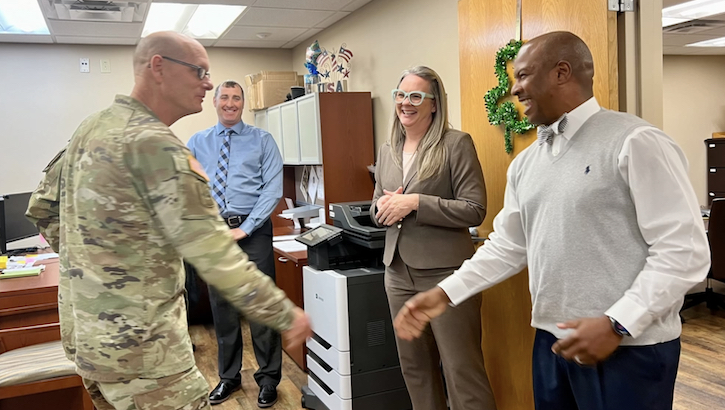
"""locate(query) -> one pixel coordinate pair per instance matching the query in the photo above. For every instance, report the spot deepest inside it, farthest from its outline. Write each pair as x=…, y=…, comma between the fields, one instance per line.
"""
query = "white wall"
x=387, y=37
x=44, y=97
x=694, y=108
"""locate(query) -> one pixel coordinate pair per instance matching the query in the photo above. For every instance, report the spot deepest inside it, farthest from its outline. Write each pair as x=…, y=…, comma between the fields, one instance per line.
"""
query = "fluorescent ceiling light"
x=715, y=42
x=198, y=21
x=22, y=17
x=691, y=10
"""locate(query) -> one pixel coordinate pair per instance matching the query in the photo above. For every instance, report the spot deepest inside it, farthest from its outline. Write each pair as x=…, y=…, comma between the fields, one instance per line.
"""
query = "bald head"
x=171, y=75
x=163, y=43
x=563, y=46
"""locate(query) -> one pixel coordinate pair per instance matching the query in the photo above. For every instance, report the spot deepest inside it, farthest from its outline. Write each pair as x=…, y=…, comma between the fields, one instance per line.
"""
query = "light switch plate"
x=85, y=65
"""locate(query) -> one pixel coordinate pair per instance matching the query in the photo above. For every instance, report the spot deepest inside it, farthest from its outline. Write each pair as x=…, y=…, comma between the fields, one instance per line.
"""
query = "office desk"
x=32, y=303
x=288, y=276
x=29, y=301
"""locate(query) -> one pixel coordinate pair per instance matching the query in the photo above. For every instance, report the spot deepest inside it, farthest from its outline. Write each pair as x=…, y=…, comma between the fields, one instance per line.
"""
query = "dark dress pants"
x=266, y=341
x=452, y=340
x=632, y=378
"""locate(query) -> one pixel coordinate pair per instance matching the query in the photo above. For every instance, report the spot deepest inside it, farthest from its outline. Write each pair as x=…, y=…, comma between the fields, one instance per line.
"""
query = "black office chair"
x=716, y=237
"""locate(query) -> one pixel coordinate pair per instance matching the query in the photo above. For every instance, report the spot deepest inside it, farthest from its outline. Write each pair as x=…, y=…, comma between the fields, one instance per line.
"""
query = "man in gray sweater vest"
x=602, y=211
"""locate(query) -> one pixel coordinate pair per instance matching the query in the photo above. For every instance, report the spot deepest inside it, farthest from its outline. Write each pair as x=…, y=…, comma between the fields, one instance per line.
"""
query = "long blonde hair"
x=431, y=151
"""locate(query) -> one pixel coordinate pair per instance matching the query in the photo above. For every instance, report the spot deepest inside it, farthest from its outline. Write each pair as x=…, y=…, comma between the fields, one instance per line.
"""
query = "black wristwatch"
x=618, y=328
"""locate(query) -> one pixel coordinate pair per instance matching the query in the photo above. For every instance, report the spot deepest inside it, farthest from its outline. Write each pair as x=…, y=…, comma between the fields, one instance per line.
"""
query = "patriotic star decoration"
x=340, y=68
x=346, y=74
x=326, y=74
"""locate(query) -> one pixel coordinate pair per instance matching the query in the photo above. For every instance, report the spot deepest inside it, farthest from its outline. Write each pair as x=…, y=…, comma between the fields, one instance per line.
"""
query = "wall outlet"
x=85, y=65
x=105, y=66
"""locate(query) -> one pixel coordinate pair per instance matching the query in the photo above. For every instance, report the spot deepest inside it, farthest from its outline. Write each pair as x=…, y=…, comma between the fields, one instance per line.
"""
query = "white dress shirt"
x=668, y=217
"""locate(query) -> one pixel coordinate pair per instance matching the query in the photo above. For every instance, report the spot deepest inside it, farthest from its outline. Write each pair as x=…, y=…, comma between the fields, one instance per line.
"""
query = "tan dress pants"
x=452, y=340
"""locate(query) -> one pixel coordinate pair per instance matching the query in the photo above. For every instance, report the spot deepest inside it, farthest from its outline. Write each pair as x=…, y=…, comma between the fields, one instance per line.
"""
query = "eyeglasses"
x=415, y=97
x=200, y=71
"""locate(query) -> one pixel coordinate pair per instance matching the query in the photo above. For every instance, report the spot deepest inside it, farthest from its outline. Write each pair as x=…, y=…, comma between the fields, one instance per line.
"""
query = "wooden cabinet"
x=29, y=316
x=304, y=126
x=715, y=168
x=288, y=277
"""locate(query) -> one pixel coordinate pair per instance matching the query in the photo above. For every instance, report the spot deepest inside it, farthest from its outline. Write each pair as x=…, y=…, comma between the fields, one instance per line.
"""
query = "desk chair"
x=35, y=374
x=716, y=237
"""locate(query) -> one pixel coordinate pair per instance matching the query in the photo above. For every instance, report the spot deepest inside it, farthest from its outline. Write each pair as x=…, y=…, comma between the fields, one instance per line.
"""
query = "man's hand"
x=396, y=207
x=238, y=234
x=300, y=330
x=592, y=341
x=418, y=311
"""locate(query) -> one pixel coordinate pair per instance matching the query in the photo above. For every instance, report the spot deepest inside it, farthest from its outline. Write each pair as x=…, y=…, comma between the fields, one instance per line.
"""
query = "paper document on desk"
x=21, y=272
x=290, y=246
x=280, y=238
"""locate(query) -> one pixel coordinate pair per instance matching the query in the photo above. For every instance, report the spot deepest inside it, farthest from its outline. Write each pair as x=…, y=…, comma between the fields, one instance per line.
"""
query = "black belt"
x=235, y=221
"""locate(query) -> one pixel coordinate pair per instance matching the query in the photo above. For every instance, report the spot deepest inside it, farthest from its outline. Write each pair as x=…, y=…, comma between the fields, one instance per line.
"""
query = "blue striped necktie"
x=219, y=186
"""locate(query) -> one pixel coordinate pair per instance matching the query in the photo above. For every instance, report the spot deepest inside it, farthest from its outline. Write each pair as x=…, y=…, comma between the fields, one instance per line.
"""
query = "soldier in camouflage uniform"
x=123, y=203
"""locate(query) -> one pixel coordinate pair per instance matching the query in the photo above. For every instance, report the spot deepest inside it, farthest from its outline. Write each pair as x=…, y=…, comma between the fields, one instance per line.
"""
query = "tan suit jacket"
x=436, y=235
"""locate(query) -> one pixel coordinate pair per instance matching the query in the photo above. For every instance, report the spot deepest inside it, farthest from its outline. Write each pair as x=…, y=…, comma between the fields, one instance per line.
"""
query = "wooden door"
x=484, y=27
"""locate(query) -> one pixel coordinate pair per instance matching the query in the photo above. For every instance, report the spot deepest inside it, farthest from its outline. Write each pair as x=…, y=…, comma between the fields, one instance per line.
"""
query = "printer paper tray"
x=340, y=361
x=341, y=385
x=331, y=400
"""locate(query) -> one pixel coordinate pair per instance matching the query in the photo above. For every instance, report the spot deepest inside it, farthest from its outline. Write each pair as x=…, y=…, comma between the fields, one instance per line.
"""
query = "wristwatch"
x=618, y=328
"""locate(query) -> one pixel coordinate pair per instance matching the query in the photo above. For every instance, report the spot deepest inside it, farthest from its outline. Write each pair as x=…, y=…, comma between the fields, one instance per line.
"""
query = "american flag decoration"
x=344, y=53
x=333, y=69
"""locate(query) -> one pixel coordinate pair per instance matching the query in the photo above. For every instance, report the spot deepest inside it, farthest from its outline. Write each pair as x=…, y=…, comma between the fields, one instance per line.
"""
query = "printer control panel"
x=321, y=234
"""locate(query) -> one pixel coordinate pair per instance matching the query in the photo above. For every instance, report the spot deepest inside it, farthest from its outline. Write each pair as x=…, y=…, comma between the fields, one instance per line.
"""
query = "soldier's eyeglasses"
x=415, y=97
x=200, y=71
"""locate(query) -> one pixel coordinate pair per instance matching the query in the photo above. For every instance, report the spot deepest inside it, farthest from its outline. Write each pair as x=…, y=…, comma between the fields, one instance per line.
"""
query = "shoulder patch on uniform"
x=55, y=159
x=195, y=166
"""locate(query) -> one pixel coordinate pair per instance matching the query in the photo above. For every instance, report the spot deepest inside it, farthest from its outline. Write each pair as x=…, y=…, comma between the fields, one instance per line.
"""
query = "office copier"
x=352, y=357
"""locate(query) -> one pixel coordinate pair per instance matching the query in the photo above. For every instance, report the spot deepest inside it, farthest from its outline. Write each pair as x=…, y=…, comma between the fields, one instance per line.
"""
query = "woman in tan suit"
x=429, y=190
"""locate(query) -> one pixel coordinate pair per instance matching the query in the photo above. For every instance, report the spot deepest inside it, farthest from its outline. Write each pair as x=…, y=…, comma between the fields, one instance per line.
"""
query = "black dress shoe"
x=267, y=396
x=223, y=391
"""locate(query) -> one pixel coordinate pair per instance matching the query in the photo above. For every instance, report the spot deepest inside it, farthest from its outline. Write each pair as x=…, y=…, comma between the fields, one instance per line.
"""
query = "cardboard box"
x=268, y=88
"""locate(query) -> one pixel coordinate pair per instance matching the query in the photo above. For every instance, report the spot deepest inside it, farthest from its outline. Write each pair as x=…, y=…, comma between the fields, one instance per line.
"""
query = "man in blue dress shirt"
x=245, y=168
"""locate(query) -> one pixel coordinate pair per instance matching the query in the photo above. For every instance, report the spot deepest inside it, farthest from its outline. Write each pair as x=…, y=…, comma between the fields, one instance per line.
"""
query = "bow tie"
x=545, y=133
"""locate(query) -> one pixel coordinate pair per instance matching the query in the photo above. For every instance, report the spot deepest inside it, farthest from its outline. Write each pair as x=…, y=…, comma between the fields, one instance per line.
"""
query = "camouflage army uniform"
x=122, y=205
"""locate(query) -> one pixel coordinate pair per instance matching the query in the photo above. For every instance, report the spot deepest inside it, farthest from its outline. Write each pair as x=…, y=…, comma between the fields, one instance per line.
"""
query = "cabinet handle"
x=282, y=259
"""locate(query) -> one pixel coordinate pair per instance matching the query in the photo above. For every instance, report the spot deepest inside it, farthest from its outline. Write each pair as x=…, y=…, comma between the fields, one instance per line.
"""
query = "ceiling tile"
x=96, y=40
x=308, y=34
x=25, y=38
x=292, y=44
x=227, y=2
x=249, y=43
x=282, y=17
x=332, y=5
x=683, y=39
x=275, y=33
x=207, y=42
x=332, y=19
x=355, y=4
x=92, y=29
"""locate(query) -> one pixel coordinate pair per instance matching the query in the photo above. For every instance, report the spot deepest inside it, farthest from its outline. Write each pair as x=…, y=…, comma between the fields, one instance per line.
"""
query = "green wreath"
x=505, y=113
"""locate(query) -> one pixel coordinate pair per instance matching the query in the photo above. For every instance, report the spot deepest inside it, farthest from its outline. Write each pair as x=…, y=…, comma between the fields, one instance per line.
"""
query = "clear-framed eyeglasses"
x=200, y=71
x=415, y=97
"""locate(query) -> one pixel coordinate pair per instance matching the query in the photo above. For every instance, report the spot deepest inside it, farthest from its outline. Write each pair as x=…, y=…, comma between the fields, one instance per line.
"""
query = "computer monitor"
x=13, y=223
